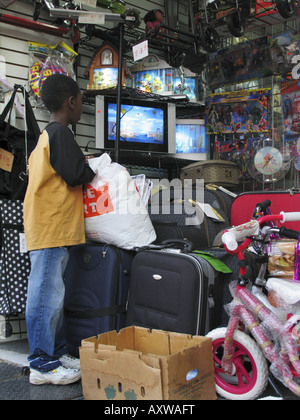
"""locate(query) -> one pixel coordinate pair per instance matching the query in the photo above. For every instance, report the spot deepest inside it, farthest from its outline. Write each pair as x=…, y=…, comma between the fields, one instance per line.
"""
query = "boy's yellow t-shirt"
x=53, y=205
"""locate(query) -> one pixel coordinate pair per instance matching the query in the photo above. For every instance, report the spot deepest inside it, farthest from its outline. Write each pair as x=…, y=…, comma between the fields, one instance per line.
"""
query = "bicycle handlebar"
x=240, y=233
x=262, y=207
x=289, y=233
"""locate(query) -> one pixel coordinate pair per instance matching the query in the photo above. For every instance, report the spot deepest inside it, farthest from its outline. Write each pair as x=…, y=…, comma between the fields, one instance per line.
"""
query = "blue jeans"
x=44, y=308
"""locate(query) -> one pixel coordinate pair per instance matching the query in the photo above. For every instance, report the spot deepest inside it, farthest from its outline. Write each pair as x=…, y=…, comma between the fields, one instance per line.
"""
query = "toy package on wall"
x=45, y=60
x=284, y=47
x=238, y=112
x=245, y=61
x=290, y=100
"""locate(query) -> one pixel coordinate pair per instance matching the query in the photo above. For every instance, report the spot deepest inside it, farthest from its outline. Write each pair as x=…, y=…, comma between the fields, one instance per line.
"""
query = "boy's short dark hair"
x=56, y=89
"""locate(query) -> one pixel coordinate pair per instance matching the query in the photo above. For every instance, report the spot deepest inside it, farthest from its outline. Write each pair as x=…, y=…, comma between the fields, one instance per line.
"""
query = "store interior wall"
x=15, y=58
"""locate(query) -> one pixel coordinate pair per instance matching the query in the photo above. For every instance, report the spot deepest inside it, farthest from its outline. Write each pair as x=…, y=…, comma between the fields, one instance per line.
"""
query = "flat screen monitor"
x=144, y=125
x=191, y=139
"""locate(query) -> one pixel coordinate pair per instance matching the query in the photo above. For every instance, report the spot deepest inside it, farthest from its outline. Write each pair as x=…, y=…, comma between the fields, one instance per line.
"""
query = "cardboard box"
x=136, y=364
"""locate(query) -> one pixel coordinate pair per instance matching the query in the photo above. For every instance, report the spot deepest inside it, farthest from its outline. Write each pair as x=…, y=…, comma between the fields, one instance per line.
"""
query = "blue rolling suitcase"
x=97, y=283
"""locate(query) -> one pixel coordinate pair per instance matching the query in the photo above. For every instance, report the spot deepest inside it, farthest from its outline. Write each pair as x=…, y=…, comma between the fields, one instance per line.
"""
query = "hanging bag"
x=20, y=143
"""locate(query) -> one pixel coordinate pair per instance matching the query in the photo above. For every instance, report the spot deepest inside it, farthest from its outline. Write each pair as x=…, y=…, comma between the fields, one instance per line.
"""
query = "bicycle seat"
x=287, y=290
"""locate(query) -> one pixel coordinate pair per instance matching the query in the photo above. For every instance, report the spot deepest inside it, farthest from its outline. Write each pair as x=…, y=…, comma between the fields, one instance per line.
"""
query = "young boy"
x=54, y=221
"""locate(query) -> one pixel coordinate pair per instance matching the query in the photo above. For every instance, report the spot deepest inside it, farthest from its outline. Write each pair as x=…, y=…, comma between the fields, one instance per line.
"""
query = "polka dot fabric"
x=14, y=265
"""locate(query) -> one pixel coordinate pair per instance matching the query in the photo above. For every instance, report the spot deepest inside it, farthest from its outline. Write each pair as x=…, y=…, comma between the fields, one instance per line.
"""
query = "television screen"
x=144, y=125
x=105, y=78
x=166, y=81
x=139, y=124
x=154, y=81
x=189, y=88
x=190, y=136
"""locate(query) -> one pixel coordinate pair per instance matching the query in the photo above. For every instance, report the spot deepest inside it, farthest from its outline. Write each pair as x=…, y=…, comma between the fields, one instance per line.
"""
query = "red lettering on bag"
x=97, y=202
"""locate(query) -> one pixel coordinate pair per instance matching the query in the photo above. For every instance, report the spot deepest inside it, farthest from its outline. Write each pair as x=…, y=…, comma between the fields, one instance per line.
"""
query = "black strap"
x=7, y=111
x=96, y=313
x=32, y=125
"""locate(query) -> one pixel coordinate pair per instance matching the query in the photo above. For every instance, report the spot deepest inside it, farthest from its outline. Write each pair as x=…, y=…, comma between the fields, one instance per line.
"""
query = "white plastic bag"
x=114, y=211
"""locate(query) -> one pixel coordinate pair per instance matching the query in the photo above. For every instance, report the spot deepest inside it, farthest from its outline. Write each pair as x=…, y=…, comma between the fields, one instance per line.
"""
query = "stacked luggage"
x=96, y=284
x=165, y=286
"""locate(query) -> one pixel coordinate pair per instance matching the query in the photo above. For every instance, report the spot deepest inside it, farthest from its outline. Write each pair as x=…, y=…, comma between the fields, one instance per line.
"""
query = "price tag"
x=23, y=247
x=140, y=50
x=92, y=18
x=6, y=160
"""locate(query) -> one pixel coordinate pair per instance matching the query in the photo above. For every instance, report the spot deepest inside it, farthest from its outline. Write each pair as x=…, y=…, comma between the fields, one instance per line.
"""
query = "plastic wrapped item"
x=282, y=259
x=38, y=54
x=59, y=61
x=114, y=211
x=297, y=264
x=45, y=60
x=284, y=294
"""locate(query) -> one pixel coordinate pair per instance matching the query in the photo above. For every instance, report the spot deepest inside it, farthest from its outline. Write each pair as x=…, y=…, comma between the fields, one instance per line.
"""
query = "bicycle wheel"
x=286, y=8
x=210, y=39
x=250, y=376
x=235, y=24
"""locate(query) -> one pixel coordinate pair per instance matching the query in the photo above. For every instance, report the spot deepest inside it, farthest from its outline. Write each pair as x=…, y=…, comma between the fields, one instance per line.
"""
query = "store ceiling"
x=178, y=17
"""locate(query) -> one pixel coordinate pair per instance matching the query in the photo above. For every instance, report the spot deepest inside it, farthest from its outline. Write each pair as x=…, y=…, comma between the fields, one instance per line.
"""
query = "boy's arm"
x=67, y=158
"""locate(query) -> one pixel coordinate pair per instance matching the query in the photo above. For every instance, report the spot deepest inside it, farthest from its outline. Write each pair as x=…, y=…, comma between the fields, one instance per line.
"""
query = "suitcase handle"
x=186, y=245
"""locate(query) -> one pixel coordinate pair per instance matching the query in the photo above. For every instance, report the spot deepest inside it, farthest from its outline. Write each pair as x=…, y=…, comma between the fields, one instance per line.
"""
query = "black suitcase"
x=174, y=291
x=181, y=219
x=97, y=283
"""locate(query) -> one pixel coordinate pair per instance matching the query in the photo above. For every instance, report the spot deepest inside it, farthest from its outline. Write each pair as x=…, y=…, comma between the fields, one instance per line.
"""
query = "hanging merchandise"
x=45, y=60
x=117, y=6
x=114, y=211
x=15, y=147
x=284, y=49
x=60, y=60
x=290, y=100
x=238, y=112
x=37, y=56
x=245, y=61
x=269, y=161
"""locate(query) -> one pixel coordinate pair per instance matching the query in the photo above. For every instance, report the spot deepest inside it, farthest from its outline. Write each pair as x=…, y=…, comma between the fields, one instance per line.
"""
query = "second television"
x=147, y=126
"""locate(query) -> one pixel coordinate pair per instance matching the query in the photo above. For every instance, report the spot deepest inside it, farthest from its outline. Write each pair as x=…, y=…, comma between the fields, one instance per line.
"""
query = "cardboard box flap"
x=143, y=340
x=137, y=363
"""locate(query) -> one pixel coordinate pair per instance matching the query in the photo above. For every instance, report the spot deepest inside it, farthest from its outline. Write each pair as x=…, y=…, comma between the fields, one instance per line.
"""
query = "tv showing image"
x=105, y=78
x=190, y=137
x=189, y=88
x=154, y=81
x=147, y=126
x=139, y=124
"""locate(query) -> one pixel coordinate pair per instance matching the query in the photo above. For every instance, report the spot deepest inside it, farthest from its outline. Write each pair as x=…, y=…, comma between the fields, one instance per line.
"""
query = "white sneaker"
x=59, y=376
x=70, y=362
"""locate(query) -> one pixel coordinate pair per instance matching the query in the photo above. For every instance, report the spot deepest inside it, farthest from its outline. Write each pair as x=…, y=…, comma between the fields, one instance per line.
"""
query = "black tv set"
x=145, y=125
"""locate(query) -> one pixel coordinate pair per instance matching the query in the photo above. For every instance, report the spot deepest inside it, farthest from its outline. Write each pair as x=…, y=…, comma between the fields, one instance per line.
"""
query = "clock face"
x=268, y=161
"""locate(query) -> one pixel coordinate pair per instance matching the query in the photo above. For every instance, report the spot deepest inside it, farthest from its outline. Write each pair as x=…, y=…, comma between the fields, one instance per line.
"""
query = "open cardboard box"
x=137, y=364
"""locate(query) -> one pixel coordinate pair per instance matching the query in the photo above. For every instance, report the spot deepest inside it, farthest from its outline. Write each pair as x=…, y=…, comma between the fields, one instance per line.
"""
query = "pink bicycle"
x=257, y=338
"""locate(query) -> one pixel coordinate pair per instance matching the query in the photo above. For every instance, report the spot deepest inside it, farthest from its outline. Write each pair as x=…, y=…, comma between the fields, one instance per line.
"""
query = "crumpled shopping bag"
x=114, y=211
